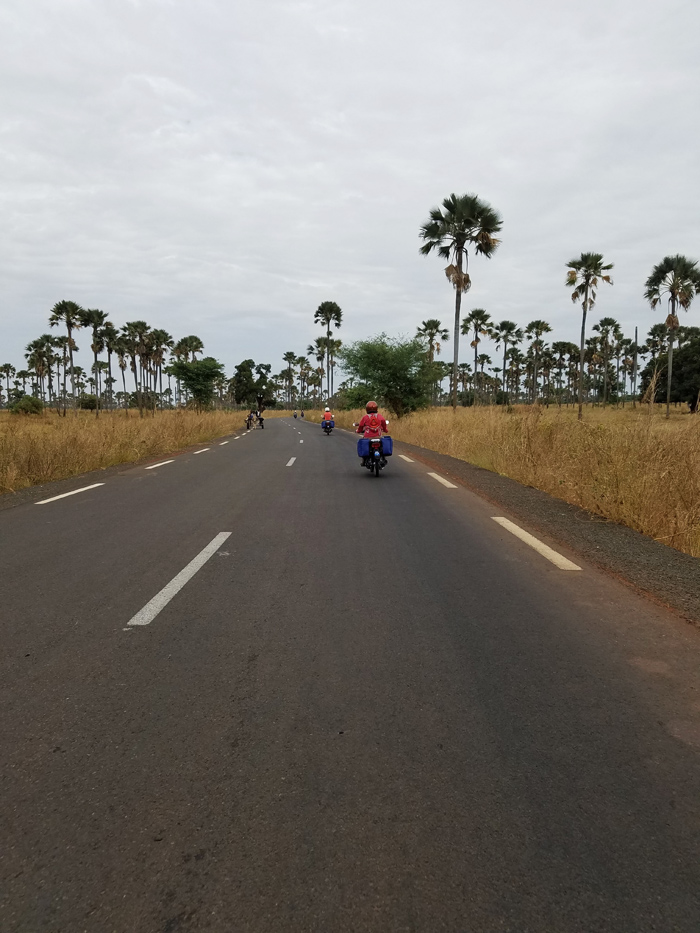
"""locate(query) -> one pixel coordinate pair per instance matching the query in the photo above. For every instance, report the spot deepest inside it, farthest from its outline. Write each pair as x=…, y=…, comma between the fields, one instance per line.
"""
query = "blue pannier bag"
x=363, y=446
x=332, y=423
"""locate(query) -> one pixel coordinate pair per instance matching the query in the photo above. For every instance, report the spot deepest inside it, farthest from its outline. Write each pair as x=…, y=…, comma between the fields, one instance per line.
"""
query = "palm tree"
x=290, y=358
x=506, y=333
x=463, y=221
x=68, y=313
x=433, y=332
x=8, y=371
x=583, y=276
x=96, y=319
x=535, y=330
x=110, y=336
x=609, y=331
x=679, y=278
x=162, y=342
x=478, y=321
x=327, y=313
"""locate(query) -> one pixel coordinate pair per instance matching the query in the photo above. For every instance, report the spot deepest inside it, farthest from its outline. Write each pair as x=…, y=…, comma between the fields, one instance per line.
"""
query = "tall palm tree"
x=582, y=277
x=536, y=330
x=509, y=334
x=678, y=278
x=110, y=336
x=162, y=343
x=477, y=321
x=290, y=358
x=463, y=222
x=328, y=313
x=67, y=313
x=433, y=331
x=95, y=319
x=8, y=371
x=610, y=332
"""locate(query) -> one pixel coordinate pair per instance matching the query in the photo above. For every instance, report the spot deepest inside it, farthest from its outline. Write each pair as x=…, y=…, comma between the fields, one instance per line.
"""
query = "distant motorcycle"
x=327, y=427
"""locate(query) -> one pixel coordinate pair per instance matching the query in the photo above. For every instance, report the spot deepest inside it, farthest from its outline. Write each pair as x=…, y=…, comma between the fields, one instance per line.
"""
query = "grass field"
x=628, y=465
x=38, y=449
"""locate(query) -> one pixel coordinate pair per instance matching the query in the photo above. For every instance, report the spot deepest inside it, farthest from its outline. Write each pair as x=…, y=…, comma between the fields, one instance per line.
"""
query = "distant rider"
x=295, y=412
x=328, y=414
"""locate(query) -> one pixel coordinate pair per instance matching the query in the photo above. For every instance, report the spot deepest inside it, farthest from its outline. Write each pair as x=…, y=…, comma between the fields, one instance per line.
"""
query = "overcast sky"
x=220, y=167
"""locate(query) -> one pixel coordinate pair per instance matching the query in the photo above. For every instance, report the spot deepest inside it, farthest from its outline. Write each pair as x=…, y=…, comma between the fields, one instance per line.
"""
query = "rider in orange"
x=328, y=414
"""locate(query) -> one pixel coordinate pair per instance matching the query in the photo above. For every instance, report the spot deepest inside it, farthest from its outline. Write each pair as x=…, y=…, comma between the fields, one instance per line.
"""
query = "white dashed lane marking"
x=162, y=463
x=161, y=600
x=222, y=443
x=407, y=459
x=441, y=479
x=557, y=559
x=203, y=450
x=65, y=494
x=291, y=461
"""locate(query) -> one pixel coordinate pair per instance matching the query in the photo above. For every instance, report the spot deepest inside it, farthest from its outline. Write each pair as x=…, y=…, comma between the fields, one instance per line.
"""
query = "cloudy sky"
x=220, y=167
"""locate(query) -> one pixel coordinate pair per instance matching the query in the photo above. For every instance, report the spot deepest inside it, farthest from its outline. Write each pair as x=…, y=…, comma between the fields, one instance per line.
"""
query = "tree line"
x=466, y=222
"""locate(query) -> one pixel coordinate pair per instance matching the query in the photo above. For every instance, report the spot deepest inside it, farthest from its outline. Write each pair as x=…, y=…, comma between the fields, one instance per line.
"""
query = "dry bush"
x=628, y=465
x=40, y=449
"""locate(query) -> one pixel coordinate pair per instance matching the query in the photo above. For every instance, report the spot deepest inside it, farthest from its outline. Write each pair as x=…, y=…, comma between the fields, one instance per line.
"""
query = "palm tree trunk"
x=583, y=353
x=634, y=372
x=97, y=381
x=72, y=369
x=458, y=308
x=670, y=362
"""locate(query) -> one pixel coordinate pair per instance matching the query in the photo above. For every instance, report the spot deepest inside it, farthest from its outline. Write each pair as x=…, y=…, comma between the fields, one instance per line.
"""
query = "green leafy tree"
x=463, y=222
x=678, y=279
x=199, y=378
x=392, y=370
x=583, y=276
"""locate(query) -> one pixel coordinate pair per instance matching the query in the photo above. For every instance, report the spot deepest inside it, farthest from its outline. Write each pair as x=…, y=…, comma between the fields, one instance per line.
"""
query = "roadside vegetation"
x=41, y=449
x=628, y=466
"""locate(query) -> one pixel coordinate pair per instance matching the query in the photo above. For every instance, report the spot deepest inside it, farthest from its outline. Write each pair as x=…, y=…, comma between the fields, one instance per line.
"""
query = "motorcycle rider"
x=328, y=414
x=372, y=424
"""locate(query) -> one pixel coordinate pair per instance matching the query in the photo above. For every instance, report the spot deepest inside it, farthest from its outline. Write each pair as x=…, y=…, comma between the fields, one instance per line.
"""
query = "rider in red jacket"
x=372, y=424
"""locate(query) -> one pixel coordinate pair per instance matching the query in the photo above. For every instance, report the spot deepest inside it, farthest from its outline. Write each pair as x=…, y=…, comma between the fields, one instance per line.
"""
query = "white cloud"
x=222, y=168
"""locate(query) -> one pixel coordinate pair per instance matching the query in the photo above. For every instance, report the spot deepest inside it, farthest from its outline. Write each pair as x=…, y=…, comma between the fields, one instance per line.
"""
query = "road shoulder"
x=661, y=573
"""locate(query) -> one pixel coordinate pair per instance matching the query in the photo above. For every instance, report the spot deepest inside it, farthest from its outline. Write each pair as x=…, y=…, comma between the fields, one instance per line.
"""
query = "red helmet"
x=371, y=406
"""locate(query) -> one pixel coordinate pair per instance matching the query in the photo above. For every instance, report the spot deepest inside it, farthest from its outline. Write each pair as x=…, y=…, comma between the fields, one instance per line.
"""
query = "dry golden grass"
x=628, y=465
x=38, y=449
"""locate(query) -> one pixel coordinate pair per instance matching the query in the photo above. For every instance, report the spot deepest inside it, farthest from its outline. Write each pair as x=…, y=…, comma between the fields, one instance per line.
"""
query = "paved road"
x=371, y=708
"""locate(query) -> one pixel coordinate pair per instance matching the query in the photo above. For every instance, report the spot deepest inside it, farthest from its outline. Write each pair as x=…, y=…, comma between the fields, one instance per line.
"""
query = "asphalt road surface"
x=257, y=689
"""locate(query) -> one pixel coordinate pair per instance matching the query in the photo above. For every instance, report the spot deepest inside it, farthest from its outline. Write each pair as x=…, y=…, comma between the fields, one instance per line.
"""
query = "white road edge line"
x=203, y=450
x=221, y=444
x=557, y=559
x=407, y=459
x=291, y=461
x=162, y=463
x=64, y=494
x=161, y=600
x=441, y=479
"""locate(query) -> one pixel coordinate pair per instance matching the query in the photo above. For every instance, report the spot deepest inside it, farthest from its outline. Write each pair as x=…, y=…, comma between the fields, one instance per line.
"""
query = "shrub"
x=28, y=405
